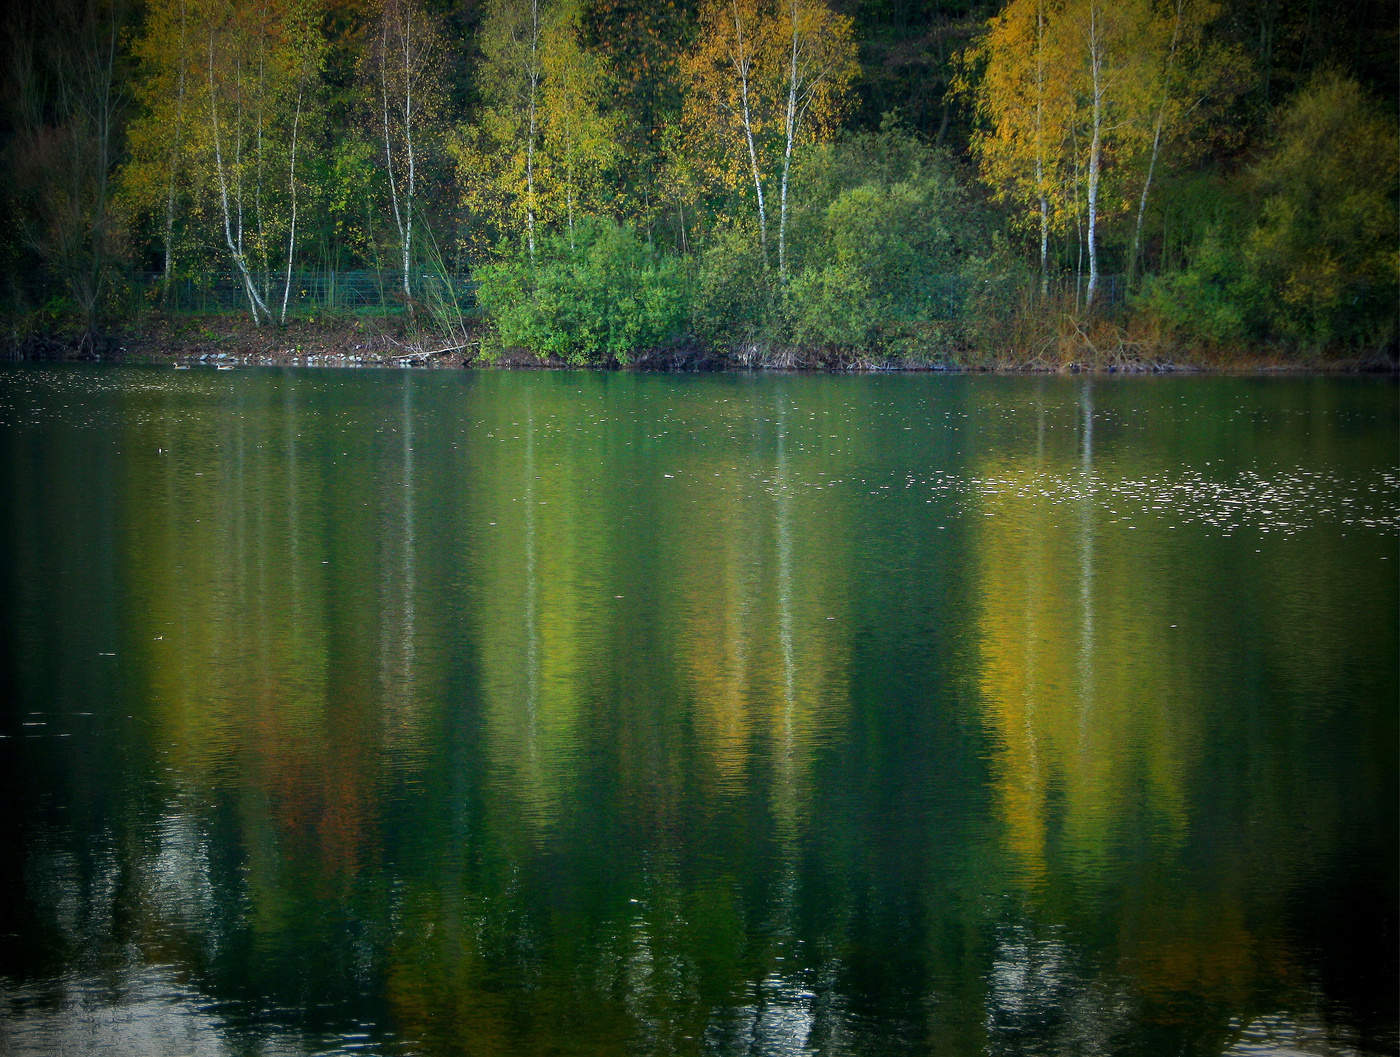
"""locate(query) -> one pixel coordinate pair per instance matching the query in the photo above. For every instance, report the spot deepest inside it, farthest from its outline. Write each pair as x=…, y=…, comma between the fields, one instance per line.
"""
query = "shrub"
x=599, y=297
x=735, y=298
x=890, y=268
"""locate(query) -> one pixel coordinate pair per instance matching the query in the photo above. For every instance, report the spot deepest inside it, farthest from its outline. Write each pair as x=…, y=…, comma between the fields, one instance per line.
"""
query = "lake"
x=611, y=713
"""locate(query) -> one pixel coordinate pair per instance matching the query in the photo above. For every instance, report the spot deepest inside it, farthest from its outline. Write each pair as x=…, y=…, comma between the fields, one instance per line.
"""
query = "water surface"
x=585, y=713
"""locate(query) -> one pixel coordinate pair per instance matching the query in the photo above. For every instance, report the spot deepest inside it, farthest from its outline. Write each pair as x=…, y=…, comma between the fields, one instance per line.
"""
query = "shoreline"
x=227, y=342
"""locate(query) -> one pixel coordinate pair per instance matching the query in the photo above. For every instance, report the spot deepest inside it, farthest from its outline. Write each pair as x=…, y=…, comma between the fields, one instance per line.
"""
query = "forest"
x=1035, y=183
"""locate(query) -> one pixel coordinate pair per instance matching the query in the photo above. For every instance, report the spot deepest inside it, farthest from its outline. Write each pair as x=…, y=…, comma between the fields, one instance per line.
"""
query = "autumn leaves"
x=222, y=164
x=1078, y=101
x=765, y=80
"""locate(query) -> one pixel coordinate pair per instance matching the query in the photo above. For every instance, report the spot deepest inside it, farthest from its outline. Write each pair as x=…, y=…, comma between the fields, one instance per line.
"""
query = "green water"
x=565, y=713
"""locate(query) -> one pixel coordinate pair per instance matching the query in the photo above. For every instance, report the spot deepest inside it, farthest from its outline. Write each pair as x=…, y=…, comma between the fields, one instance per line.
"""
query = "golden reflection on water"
x=573, y=705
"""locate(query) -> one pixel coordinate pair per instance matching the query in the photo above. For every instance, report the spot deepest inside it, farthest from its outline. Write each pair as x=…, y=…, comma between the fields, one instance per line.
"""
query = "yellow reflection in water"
x=1084, y=684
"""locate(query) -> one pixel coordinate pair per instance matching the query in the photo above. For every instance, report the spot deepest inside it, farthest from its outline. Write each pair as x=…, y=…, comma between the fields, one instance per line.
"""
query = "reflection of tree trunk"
x=532, y=589
x=1086, y=556
x=785, y=778
x=407, y=630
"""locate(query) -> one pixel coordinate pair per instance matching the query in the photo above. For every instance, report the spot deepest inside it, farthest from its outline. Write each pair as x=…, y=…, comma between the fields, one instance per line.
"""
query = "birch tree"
x=1189, y=72
x=159, y=170
x=1079, y=103
x=511, y=78
x=580, y=140
x=260, y=62
x=402, y=62
x=821, y=64
x=732, y=104
x=1025, y=107
x=765, y=81
x=232, y=95
x=543, y=144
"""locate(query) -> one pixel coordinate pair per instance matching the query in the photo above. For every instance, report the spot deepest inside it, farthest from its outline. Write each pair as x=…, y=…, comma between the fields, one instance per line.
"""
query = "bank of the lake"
x=232, y=340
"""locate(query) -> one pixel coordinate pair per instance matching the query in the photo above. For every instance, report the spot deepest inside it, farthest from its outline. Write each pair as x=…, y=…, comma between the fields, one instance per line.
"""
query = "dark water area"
x=579, y=713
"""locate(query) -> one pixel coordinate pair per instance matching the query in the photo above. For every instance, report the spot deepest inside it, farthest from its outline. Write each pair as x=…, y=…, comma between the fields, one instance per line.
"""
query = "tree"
x=580, y=140
x=224, y=92
x=1078, y=100
x=1186, y=66
x=158, y=166
x=67, y=101
x=543, y=144
x=767, y=80
x=401, y=62
x=510, y=79
x=820, y=67
x=640, y=44
x=727, y=108
x=1025, y=106
x=259, y=62
x=1324, y=245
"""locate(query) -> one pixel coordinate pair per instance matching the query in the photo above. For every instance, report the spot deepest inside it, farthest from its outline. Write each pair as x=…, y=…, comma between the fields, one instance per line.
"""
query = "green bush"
x=599, y=297
x=736, y=297
x=1310, y=263
x=1213, y=298
x=890, y=268
x=1325, y=242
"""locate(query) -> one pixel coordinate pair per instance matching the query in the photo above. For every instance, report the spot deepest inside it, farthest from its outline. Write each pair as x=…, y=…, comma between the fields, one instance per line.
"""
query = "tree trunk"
x=292, y=187
x=255, y=303
x=1156, y=142
x=406, y=28
x=169, y=264
x=790, y=135
x=742, y=65
x=1095, y=150
x=534, y=78
x=1040, y=149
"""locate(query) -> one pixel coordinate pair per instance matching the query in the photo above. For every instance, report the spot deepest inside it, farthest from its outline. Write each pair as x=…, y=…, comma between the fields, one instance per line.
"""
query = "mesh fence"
x=312, y=292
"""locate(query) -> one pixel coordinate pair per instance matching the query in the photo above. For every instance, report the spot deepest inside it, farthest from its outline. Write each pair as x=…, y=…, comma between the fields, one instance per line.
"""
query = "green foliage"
x=888, y=263
x=1214, y=298
x=885, y=250
x=1314, y=263
x=735, y=301
x=601, y=297
x=559, y=110
x=1325, y=241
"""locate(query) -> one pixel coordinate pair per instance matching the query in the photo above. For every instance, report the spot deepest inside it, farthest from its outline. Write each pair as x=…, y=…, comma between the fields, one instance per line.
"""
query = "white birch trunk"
x=406, y=26
x=1156, y=139
x=255, y=303
x=292, y=187
x=533, y=77
x=1040, y=149
x=742, y=65
x=388, y=134
x=1096, y=72
x=265, y=272
x=790, y=135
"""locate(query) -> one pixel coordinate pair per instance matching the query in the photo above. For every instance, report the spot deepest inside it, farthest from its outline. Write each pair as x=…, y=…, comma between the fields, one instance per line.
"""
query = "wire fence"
x=312, y=292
